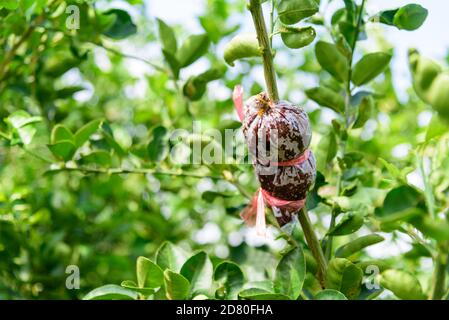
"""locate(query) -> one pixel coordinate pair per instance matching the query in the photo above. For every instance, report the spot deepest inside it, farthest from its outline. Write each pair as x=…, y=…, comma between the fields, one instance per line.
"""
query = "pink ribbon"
x=237, y=97
x=254, y=213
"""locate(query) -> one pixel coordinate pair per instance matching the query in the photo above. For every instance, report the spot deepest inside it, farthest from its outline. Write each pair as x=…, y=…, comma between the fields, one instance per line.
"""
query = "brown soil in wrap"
x=279, y=133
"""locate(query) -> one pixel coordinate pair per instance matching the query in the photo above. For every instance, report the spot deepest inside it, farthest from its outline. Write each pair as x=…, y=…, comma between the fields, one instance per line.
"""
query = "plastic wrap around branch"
x=254, y=213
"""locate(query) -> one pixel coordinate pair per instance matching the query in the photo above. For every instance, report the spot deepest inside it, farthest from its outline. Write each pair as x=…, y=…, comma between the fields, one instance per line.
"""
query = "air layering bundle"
x=278, y=136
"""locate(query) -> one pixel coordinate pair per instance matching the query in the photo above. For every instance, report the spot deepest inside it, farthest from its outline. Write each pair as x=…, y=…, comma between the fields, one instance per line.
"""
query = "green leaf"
x=60, y=133
x=230, y=277
x=438, y=94
x=424, y=73
x=122, y=27
x=109, y=137
x=198, y=270
x=167, y=37
x=67, y=92
x=243, y=45
x=23, y=125
x=365, y=111
x=410, y=17
x=149, y=274
x=403, y=284
x=344, y=276
x=330, y=294
x=63, y=149
x=195, y=87
x=437, y=127
x=332, y=60
x=437, y=229
x=85, y=132
x=358, y=244
x=9, y=4
x=210, y=196
x=327, y=98
x=399, y=199
x=349, y=223
x=290, y=273
x=131, y=285
x=261, y=294
x=293, y=11
x=193, y=48
x=176, y=286
x=158, y=146
x=369, y=67
x=170, y=257
x=326, y=152
x=99, y=157
x=111, y=292
x=296, y=38
x=172, y=62
x=385, y=17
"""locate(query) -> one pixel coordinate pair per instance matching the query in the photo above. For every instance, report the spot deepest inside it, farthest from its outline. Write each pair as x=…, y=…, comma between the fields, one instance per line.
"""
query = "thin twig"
x=314, y=245
x=267, y=54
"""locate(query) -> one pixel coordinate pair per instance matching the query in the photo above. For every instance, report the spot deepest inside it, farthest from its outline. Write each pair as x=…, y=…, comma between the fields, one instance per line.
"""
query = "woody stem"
x=314, y=244
x=255, y=8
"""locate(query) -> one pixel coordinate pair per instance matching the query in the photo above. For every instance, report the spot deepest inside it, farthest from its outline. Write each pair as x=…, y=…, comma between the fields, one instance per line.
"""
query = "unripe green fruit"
x=439, y=94
x=402, y=284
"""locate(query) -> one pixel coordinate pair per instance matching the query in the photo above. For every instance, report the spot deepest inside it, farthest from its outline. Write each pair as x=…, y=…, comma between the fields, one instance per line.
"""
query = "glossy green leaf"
x=9, y=4
x=131, y=285
x=410, y=17
x=85, y=132
x=332, y=60
x=109, y=137
x=290, y=273
x=158, y=146
x=296, y=38
x=63, y=149
x=358, y=244
x=403, y=284
x=111, y=292
x=326, y=152
x=99, y=157
x=198, y=270
x=60, y=133
x=327, y=98
x=243, y=45
x=349, y=223
x=437, y=127
x=193, y=48
x=293, y=11
x=172, y=62
x=330, y=294
x=122, y=27
x=261, y=294
x=369, y=67
x=170, y=257
x=176, y=286
x=364, y=112
x=167, y=37
x=437, y=229
x=230, y=277
x=399, y=199
x=344, y=276
x=196, y=86
x=149, y=274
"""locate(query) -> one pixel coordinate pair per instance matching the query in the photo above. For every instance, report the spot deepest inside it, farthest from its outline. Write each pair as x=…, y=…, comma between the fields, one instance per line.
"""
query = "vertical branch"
x=314, y=244
x=439, y=275
x=347, y=104
x=267, y=54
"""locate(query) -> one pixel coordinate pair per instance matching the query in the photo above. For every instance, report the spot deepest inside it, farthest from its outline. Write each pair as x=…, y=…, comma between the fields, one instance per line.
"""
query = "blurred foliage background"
x=61, y=204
